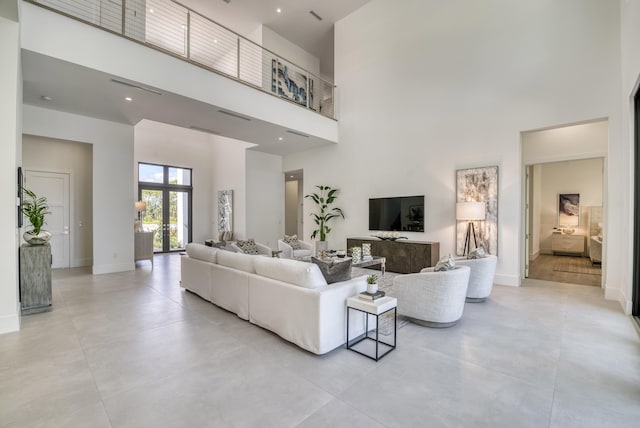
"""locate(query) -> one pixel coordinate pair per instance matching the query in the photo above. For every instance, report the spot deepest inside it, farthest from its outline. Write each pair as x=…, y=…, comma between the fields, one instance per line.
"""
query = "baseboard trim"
x=121, y=267
x=9, y=323
x=81, y=263
x=510, y=280
x=617, y=295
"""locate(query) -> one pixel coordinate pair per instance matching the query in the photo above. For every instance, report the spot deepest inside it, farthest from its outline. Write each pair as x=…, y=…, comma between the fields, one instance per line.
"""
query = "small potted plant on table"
x=372, y=284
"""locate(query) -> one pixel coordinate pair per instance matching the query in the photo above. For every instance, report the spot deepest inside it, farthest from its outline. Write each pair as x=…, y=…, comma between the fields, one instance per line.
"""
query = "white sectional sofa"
x=289, y=297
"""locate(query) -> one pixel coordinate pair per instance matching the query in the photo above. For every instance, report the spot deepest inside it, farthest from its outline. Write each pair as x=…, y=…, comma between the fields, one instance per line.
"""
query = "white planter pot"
x=372, y=288
x=321, y=246
x=40, y=239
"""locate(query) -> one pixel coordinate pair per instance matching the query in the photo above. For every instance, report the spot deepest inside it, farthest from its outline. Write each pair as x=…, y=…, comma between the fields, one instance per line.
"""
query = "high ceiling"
x=294, y=22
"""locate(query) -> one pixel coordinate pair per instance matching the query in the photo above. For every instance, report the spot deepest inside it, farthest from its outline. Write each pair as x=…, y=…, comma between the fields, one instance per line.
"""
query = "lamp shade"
x=141, y=206
x=470, y=211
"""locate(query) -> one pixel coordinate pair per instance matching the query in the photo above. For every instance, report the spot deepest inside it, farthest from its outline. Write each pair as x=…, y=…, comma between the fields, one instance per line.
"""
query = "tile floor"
x=134, y=350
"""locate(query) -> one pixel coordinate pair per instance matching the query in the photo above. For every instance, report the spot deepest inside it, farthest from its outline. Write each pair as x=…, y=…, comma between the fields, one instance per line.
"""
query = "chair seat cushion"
x=301, y=253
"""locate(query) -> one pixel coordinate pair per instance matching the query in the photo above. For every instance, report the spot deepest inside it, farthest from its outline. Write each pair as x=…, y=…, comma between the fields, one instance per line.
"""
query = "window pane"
x=150, y=173
x=180, y=176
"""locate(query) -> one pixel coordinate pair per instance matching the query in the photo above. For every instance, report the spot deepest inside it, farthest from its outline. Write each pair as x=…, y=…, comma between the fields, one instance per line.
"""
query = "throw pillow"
x=292, y=241
x=445, y=263
x=248, y=246
x=334, y=271
x=478, y=253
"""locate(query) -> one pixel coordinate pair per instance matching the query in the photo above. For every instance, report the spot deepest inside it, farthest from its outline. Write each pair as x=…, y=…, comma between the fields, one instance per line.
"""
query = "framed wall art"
x=569, y=209
x=225, y=211
x=289, y=83
x=479, y=185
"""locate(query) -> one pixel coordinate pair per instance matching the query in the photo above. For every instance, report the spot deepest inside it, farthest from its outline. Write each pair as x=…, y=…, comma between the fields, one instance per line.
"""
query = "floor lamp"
x=140, y=206
x=470, y=212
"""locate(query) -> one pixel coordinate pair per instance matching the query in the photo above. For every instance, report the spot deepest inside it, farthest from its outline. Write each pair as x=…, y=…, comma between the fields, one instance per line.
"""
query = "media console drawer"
x=567, y=243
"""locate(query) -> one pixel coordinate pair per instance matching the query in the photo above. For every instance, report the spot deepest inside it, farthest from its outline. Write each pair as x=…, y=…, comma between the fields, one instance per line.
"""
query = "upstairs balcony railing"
x=170, y=27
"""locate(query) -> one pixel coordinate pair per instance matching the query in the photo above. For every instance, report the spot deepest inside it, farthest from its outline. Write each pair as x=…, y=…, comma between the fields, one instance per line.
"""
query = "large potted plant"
x=35, y=208
x=323, y=200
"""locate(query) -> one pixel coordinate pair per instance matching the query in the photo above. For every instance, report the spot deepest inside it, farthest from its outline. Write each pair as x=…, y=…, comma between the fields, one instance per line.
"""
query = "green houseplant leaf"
x=35, y=208
x=323, y=200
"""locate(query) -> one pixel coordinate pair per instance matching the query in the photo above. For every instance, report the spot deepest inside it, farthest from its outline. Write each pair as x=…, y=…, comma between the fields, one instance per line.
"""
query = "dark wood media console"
x=402, y=256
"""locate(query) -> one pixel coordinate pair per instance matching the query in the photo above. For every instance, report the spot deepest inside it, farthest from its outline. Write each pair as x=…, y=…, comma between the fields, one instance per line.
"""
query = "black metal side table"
x=369, y=343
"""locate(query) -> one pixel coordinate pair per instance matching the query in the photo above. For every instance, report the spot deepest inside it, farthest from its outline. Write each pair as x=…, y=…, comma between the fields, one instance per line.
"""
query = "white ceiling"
x=294, y=23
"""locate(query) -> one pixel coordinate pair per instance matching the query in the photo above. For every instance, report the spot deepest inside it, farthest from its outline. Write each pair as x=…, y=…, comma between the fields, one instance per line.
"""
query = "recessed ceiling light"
x=128, y=99
x=151, y=10
x=46, y=98
x=279, y=10
x=215, y=40
x=291, y=176
x=279, y=138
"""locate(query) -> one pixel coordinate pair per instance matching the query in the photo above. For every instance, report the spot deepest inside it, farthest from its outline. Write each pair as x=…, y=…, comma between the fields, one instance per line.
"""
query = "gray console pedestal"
x=35, y=278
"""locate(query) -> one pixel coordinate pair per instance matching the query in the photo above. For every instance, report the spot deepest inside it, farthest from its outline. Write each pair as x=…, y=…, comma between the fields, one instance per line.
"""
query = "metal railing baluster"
x=160, y=31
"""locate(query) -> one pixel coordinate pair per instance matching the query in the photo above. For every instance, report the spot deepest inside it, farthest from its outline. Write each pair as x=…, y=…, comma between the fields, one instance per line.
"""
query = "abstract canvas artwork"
x=479, y=185
x=225, y=211
x=289, y=83
x=569, y=209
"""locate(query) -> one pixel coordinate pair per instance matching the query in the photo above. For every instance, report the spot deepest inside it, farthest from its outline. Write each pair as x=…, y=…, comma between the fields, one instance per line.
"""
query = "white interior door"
x=55, y=187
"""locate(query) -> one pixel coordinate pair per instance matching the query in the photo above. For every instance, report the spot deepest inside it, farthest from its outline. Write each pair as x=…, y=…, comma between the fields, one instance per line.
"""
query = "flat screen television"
x=402, y=214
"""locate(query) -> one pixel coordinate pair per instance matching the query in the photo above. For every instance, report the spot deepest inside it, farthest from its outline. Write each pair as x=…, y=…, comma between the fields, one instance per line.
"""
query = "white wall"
x=171, y=145
x=265, y=198
x=11, y=146
x=583, y=177
x=113, y=198
x=229, y=172
x=291, y=207
x=582, y=141
x=451, y=85
x=289, y=51
x=47, y=154
x=620, y=221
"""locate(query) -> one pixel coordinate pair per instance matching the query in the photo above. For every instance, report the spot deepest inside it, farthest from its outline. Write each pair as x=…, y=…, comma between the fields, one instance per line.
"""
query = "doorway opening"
x=166, y=191
x=293, y=200
x=564, y=199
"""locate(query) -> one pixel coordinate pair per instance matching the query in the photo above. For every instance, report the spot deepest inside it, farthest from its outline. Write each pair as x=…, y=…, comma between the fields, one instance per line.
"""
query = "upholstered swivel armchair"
x=432, y=299
x=483, y=271
x=288, y=252
x=262, y=249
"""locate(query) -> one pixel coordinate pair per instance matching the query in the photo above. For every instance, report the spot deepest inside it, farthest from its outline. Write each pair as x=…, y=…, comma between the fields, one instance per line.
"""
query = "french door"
x=168, y=205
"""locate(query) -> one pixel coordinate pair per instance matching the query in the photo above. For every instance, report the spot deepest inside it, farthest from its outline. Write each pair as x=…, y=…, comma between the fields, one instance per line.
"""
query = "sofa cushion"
x=202, y=252
x=248, y=247
x=290, y=271
x=445, y=263
x=243, y=262
x=292, y=241
x=334, y=271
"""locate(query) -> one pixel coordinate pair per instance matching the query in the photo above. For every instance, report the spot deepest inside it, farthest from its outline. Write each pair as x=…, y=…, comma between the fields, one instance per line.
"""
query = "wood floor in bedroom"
x=568, y=269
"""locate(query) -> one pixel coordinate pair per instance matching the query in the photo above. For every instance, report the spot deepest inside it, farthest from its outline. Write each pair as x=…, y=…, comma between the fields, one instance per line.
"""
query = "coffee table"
x=375, y=260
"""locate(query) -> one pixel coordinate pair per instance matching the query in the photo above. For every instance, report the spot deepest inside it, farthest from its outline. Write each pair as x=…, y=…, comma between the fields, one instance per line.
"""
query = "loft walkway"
x=169, y=27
